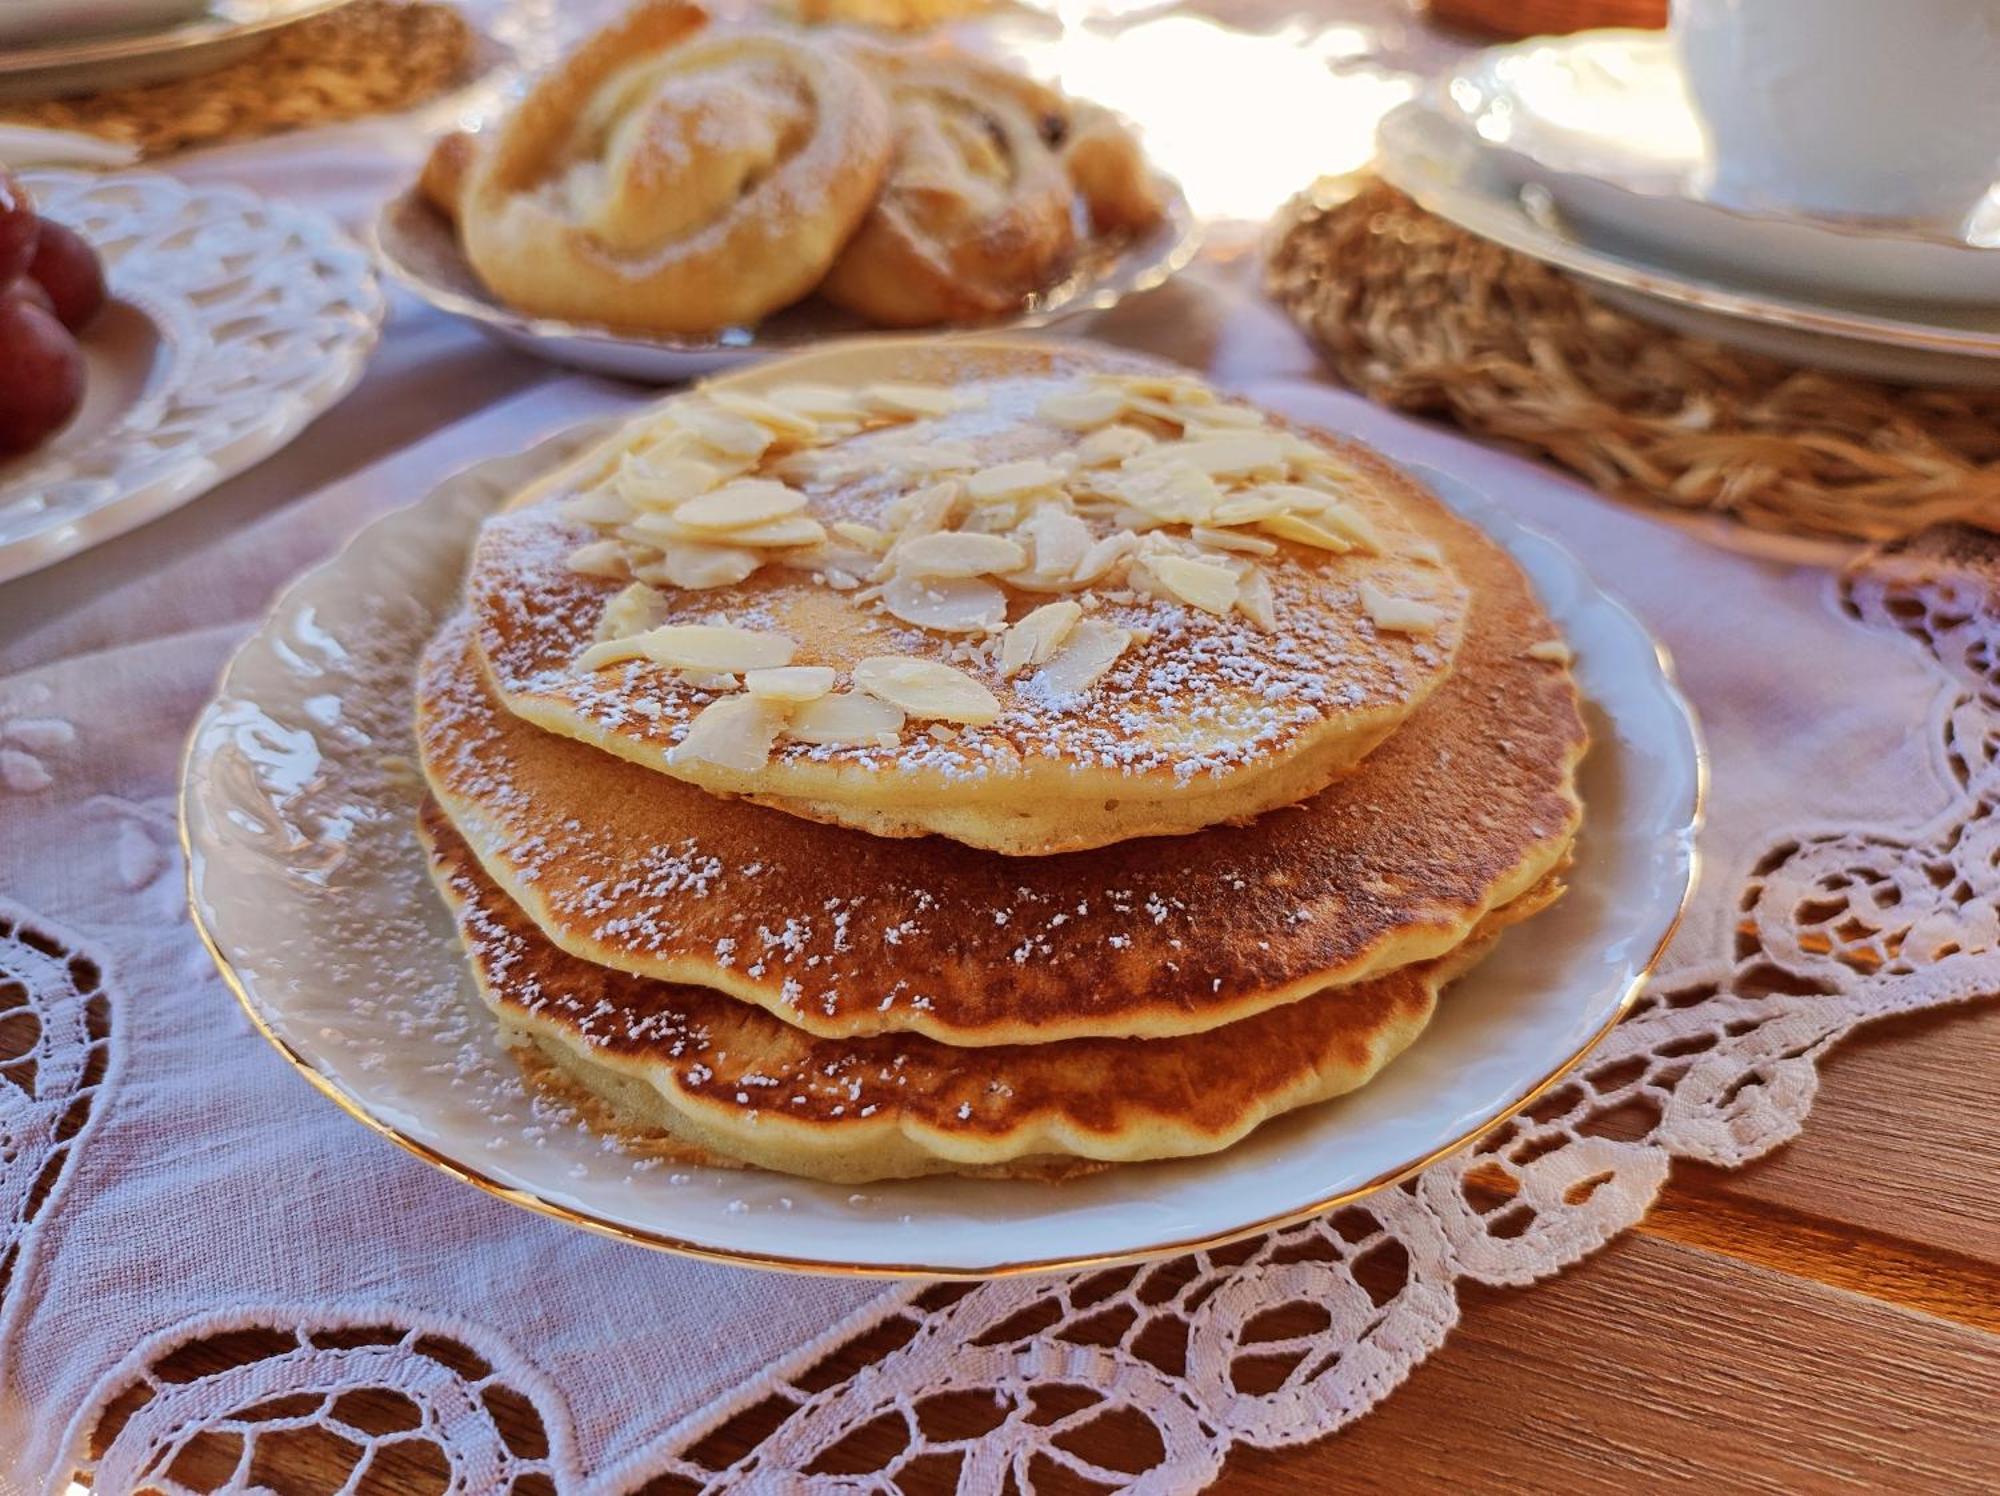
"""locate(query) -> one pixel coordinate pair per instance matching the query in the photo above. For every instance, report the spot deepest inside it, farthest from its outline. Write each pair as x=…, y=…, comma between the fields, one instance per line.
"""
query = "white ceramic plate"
x=234, y=321
x=1603, y=121
x=298, y=809
x=419, y=248
x=1441, y=163
x=167, y=40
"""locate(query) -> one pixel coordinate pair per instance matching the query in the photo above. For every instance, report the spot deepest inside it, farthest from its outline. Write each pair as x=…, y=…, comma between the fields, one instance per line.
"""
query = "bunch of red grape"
x=51, y=288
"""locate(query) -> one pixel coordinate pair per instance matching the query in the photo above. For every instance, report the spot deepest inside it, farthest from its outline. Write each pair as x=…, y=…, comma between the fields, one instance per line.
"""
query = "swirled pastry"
x=977, y=213
x=671, y=177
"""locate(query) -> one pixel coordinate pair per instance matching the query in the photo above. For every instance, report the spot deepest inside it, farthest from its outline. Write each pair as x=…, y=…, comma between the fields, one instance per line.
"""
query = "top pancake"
x=1241, y=668
x=1465, y=809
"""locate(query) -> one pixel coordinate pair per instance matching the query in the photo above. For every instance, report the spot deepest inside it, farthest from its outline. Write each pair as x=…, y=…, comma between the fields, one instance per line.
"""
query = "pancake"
x=919, y=573
x=1465, y=809
x=702, y=1072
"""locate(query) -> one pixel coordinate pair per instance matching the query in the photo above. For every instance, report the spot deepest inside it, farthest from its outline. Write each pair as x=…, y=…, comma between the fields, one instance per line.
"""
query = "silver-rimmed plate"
x=1446, y=168
x=233, y=322
x=67, y=61
x=420, y=250
x=299, y=802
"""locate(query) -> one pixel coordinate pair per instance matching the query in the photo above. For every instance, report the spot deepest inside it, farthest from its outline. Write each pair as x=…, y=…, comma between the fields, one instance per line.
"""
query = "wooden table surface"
x=1827, y=1319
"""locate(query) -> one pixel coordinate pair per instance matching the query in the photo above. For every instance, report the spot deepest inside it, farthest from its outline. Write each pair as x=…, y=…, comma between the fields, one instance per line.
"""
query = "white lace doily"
x=203, y=1263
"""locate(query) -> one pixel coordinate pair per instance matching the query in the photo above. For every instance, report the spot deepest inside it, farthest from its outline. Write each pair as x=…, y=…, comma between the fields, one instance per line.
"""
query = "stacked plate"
x=1585, y=152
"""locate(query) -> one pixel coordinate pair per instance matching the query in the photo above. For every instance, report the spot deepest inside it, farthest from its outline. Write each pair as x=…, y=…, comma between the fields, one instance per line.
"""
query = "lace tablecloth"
x=194, y=1243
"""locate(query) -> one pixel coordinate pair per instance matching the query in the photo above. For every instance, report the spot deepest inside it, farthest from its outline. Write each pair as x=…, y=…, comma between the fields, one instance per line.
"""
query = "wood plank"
x=1901, y=1141
x=1656, y=1364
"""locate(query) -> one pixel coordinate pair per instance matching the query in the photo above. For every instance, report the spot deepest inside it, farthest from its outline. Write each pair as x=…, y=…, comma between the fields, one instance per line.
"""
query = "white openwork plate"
x=298, y=808
x=419, y=248
x=234, y=321
x=1442, y=164
x=64, y=54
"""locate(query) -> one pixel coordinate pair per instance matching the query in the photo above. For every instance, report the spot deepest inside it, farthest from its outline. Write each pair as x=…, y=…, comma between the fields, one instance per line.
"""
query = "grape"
x=67, y=268
x=18, y=228
x=41, y=375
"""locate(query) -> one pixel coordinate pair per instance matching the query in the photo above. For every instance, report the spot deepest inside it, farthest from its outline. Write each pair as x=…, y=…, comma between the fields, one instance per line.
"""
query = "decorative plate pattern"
x=299, y=804
x=235, y=322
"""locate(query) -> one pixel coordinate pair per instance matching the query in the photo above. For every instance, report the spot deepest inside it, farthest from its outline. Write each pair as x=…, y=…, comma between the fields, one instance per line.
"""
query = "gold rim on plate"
x=234, y=20
x=1690, y=822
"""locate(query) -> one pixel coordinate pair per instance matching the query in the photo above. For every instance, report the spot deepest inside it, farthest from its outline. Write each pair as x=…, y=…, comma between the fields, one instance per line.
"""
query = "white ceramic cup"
x=1857, y=108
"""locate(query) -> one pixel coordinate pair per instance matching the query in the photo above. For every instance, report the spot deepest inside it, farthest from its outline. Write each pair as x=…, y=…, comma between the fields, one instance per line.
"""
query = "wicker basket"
x=1517, y=18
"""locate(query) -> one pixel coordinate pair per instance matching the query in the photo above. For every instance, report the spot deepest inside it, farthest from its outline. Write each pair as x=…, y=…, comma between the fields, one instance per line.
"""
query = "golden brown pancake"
x=1204, y=717
x=723, y=1077
x=1464, y=810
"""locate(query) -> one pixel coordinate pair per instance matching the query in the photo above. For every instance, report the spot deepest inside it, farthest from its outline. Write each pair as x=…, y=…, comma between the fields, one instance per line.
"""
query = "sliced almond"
x=1011, y=480
x=1247, y=507
x=601, y=506
x=823, y=402
x=1229, y=415
x=1037, y=636
x=600, y=558
x=1093, y=647
x=780, y=421
x=866, y=537
x=1173, y=492
x=848, y=719
x=740, y=505
x=1176, y=389
x=1232, y=540
x=696, y=646
x=1103, y=555
x=1400, y=615
x=694, y=567
x=1255, y=601
x=1305, y=532
x=632, y=611
x=923, y=511
x=789, y=682
x=914, y=399
x=1082, y=407
x=735, y=435
x=1354, y=526
x=736, y=732
x=1552, y=650
x=957, y=553
x=795, y=529
x=1201, y=584
x=1112, y=444
x=661, y=483
x=927, y=689
x=1059, y=538
x=951, y=605
x=1234, y=454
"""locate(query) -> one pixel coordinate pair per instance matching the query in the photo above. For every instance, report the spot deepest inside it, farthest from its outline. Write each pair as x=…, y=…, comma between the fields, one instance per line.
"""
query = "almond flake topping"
x=695, y=646
x=848, y=718
x=1037, y=636
x=1203, y=584
x=914, y=399
x=794, y=683
x=927, y=689
x=1552, y=650
x=633, y=611
x=736, y=732
x=1305, y=532
x=1093, y=647
x=955, y=553
x=950, y=605
x=695, y=568
x=740, y=505
x=780, y=420
x=661, y=483
x=1012, y=479
x=732, y=434
x=1402, y=615
x=1082, y=409
x=600, y=558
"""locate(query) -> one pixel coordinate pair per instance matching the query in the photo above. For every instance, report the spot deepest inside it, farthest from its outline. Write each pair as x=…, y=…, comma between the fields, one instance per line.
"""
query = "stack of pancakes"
x=989, y=757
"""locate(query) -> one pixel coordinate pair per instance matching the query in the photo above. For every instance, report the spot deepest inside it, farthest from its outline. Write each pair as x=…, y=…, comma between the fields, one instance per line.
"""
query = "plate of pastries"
x=943, y=806
x=681, y=194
